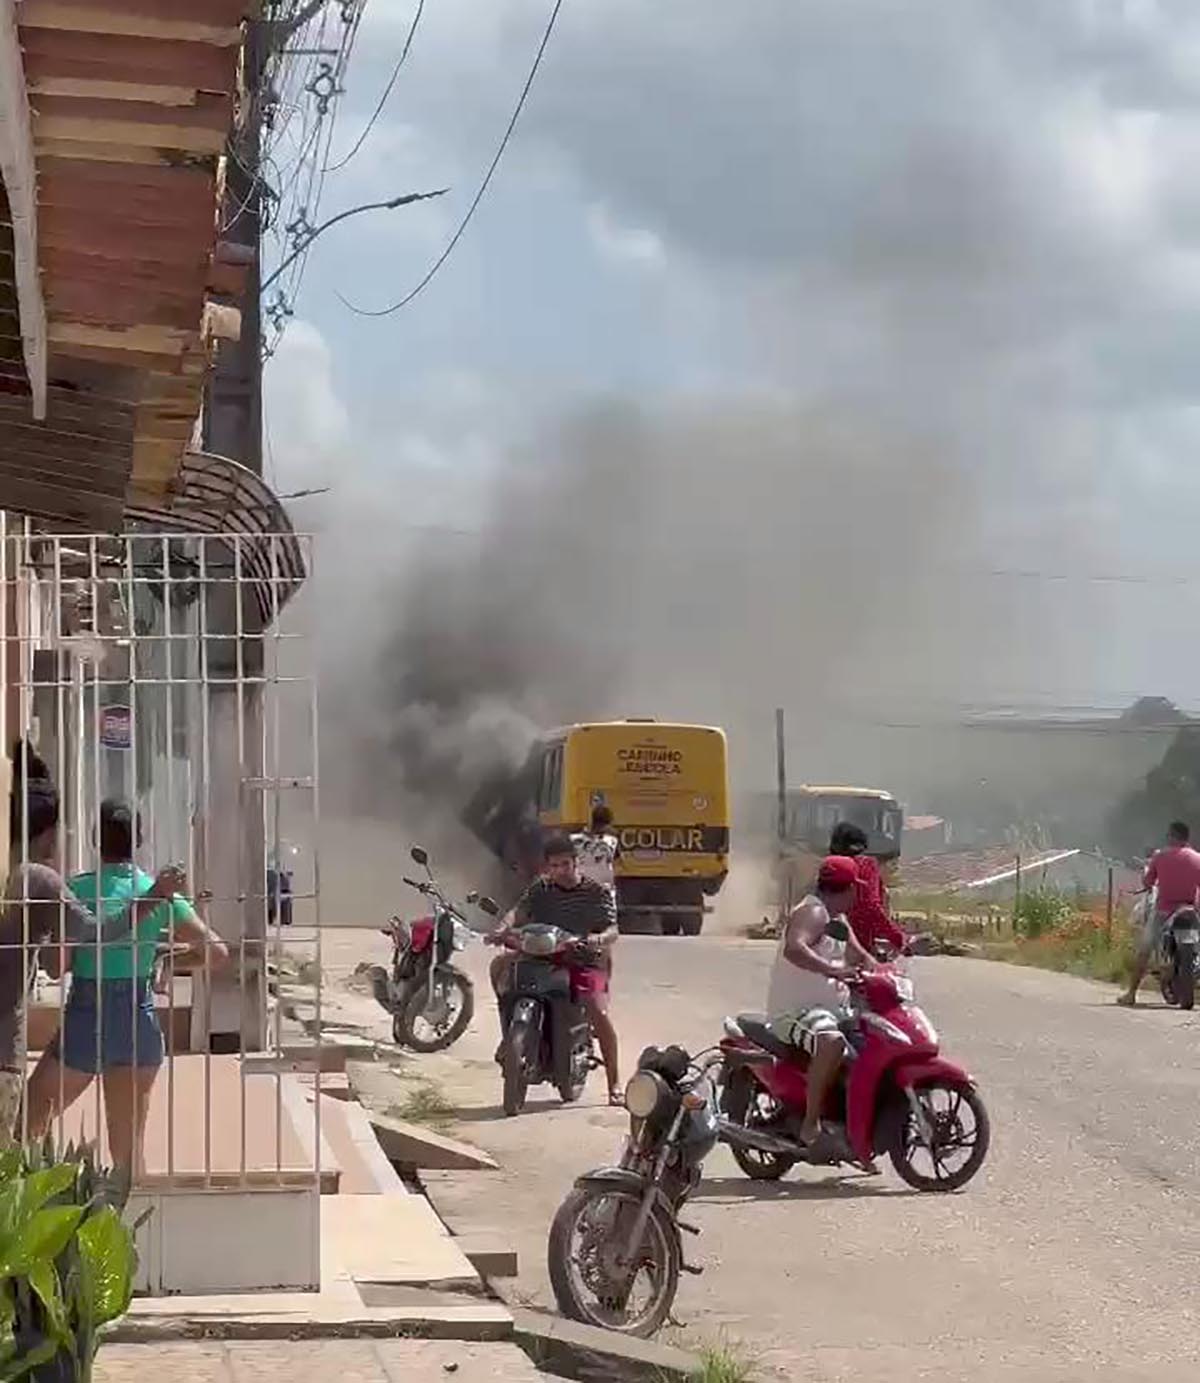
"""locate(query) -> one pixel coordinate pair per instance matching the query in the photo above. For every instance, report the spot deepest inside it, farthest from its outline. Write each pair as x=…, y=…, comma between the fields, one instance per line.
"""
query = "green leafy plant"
x=1039, y=911
x=67, y=1262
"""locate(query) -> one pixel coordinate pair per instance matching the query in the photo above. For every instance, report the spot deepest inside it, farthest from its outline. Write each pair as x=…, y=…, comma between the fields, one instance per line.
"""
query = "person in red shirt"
x=869, y=917
x=1175, y=873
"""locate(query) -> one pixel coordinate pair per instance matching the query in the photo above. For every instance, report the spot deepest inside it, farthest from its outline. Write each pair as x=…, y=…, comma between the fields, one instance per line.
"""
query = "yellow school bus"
x=667, y=787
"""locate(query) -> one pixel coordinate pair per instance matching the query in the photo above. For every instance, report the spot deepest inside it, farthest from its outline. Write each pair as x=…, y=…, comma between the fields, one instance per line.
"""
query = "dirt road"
x=1072, y=1257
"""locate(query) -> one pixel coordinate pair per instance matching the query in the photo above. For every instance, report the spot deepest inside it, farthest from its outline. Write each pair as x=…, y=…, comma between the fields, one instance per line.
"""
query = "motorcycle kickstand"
x=688, y=1229
x=691, y=1269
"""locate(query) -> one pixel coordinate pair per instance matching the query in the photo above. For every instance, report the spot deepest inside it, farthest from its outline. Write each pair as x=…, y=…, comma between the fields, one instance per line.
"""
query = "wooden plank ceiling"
x=132, y=103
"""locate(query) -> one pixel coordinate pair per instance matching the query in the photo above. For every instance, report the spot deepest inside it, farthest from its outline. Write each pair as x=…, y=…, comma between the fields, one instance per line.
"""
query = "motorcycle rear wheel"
x=661, y=1254
x=515, y=1066
x=949, y=1135
x=405, y=1027
x=740, y=1105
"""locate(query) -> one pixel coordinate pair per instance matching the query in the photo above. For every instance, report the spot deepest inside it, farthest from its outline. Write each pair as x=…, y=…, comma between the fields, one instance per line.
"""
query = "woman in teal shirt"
x=110, y=1028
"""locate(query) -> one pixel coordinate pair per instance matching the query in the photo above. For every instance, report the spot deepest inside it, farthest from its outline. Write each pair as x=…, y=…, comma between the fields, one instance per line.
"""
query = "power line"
x=387, y=91
x=483, y=186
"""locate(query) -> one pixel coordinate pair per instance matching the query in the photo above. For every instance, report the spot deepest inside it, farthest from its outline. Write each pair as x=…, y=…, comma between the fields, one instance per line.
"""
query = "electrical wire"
x=387, y=91
x=479, y=195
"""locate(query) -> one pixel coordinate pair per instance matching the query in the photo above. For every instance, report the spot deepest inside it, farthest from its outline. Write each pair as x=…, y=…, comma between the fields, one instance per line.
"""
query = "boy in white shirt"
x=598, y=849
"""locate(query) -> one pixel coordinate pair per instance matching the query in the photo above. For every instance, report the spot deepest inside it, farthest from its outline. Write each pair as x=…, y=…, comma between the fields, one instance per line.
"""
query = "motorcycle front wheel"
x=515, y=1062
x=591, y=1284
x=1183, y=976
x=960, y=1133
x=431, y=1024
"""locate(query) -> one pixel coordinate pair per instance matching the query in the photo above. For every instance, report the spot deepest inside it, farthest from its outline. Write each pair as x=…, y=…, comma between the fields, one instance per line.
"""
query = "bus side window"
x=551, y=785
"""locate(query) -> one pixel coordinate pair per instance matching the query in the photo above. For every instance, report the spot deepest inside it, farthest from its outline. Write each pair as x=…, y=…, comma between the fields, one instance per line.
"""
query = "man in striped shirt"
x=562, y=897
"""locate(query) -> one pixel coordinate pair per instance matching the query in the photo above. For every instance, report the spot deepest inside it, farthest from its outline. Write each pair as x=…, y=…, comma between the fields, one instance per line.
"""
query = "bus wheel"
x=669, y=921
x=691, y=922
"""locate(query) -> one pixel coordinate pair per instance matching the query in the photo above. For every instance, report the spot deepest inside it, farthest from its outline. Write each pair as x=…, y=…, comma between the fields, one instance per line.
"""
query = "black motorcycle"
x=1177, y=949
x=615, y=1251
x=430, y=999
x=547, y=1036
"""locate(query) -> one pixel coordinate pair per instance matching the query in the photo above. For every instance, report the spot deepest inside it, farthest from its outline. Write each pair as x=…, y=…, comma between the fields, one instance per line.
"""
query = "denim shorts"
x=123, y=1013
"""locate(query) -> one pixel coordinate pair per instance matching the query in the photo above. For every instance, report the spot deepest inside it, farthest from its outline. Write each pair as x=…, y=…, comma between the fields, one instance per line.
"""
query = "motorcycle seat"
x=758, y=1031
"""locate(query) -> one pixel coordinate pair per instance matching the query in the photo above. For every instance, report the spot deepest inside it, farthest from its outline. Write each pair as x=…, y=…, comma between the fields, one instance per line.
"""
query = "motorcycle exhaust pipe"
x=757, y=1140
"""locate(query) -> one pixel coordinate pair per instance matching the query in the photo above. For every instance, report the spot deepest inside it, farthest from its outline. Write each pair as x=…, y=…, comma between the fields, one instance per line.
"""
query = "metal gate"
x=165, y=709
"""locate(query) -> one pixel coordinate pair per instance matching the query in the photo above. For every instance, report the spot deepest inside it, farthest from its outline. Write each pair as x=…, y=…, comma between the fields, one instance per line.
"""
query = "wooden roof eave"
x=17, y=168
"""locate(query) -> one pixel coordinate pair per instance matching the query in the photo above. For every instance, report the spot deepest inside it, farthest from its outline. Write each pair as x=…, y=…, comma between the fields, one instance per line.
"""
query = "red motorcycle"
x=430, y=999
x=897, y=1095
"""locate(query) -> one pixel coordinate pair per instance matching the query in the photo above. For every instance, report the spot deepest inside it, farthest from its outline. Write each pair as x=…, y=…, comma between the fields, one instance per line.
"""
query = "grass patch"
x=1079, y=946
x=424, y=1104
x=1052, y=930
x=721, y=1364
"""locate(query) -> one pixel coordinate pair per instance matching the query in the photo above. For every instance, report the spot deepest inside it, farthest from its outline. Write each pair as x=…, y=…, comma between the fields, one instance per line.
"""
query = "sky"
x=828, y=353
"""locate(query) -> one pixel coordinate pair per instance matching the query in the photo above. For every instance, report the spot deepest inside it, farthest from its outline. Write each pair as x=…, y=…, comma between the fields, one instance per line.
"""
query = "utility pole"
x=233, y=402
x=230, y=765
x=785, y=876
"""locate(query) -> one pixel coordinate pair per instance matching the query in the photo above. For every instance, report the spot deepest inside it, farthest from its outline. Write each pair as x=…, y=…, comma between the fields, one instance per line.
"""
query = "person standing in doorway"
x=110, y=1028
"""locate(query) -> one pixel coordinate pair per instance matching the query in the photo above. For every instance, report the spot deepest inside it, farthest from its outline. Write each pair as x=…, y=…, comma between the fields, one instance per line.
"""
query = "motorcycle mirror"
x=490, y=906
x=420, y=855
x=473, y=896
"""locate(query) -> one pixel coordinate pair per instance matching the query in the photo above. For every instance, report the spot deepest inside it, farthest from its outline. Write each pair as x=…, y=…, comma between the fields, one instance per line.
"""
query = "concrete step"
x=389, y=1239
x=380, y=1090
x=590, y=1355
x=317, y=1361
x=346, y=1128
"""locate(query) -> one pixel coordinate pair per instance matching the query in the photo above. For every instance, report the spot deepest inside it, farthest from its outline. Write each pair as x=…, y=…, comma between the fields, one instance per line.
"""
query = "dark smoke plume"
x=705, y=565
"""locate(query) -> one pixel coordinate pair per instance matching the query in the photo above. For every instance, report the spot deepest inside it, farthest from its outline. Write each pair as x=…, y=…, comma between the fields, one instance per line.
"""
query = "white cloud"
x=621, y=244
x=307, y=426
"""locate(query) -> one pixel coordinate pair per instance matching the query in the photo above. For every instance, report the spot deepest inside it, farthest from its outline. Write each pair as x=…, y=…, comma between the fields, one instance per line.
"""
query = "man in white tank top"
x=807, y=997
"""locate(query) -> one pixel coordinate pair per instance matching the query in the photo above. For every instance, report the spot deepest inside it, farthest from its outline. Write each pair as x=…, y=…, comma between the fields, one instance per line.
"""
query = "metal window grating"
x=159, y=668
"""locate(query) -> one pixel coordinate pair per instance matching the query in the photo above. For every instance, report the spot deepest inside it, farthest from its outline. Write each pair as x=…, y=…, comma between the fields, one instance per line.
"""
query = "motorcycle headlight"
x=904, y=988
x=642, y=1094
x=461, y=936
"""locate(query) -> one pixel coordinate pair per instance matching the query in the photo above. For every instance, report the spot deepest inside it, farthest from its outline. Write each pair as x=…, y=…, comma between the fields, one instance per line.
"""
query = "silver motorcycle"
x=616, y=1251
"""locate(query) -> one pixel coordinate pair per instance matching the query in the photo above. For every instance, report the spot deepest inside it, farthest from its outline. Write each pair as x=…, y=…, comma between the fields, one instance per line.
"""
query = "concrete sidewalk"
x=317, y=1361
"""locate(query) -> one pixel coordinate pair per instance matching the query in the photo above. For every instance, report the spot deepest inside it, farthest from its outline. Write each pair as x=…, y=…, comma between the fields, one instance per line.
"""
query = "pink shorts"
x=588, y=981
